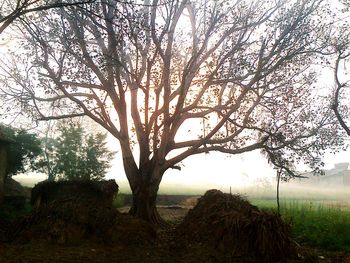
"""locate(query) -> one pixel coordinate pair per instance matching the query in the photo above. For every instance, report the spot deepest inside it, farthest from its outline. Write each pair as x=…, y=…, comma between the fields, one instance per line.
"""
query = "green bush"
x=10, y=213
x=119, y=200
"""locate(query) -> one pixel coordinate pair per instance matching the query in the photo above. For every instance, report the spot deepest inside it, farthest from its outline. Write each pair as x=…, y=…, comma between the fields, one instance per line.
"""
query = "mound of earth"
x=232, y=228
x=81, y=212
x=4, y=225
x=15, y=194
x=72, y=223
x=101, y=192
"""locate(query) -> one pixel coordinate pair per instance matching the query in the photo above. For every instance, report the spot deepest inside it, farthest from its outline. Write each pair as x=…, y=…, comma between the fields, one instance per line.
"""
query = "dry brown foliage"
x=231, y=225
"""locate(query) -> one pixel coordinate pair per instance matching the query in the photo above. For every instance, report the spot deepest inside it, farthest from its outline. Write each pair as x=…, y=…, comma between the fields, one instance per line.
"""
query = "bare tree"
x=171, y=79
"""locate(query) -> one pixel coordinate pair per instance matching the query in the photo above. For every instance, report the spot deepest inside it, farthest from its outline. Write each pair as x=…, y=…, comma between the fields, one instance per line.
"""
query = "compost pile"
x=72, y=220
x=3, y=230
x=232, y=227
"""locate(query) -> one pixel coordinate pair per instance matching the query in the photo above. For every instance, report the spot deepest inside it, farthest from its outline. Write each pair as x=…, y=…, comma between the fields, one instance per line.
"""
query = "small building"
x=338, y=176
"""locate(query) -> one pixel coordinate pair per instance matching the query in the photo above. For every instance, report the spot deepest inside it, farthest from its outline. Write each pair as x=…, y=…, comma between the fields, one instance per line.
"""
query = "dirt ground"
x=165, y=249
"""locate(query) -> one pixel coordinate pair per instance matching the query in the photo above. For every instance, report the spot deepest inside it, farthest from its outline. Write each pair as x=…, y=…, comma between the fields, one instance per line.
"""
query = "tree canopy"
x=23, y=150
x=11, y=10
x=170, y=79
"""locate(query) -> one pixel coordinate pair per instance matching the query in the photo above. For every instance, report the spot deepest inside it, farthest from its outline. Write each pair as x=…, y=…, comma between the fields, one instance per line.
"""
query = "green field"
x=323, y=224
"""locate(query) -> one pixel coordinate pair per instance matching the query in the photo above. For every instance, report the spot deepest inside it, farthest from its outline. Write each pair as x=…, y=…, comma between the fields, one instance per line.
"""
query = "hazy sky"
x=206, y=171
x=217, y=170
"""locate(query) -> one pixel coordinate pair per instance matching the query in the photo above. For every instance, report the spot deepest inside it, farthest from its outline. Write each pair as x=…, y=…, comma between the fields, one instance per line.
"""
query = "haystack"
x=231, y=225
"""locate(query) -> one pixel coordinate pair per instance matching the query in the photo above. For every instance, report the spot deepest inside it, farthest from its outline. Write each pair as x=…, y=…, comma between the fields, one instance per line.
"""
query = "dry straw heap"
x=235, y=229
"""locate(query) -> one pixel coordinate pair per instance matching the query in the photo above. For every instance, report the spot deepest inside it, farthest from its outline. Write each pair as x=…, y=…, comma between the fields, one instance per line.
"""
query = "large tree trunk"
x=144, y=183
x=144, y=186
x=144, y=205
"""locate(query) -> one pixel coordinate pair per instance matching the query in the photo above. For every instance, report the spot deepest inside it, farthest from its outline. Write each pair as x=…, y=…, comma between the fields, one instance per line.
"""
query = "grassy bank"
x=324, y=224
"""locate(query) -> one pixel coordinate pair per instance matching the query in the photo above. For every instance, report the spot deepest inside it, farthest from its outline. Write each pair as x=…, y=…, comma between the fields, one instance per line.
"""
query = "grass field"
x=324, y=224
